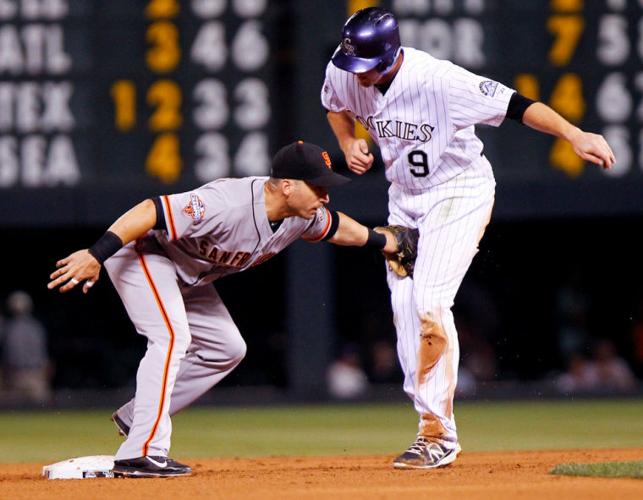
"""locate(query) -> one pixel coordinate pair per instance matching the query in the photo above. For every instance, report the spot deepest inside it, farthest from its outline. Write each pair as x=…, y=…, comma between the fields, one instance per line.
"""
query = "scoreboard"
x=128, y=92
x=102, y=102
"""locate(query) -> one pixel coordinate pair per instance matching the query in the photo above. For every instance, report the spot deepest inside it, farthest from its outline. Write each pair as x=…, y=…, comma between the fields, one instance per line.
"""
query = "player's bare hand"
x=593, y=147
x=358, y=158
x=79, y=267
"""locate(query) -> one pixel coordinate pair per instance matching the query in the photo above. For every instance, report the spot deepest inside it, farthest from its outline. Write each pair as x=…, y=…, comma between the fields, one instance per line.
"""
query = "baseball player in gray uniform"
x=163, y=255
x=421, y=112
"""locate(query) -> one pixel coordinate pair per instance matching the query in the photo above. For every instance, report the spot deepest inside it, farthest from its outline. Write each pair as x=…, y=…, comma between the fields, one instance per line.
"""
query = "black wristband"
x=106, y=246
x=375, y=239
x=518, y=104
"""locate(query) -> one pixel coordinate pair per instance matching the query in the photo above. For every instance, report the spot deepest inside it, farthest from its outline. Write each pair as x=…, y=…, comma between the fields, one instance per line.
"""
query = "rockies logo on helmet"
x=348, y=48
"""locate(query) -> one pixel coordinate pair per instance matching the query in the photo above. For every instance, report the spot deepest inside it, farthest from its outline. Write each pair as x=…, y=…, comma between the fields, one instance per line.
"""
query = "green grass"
x=606, y=469
x=330, y=429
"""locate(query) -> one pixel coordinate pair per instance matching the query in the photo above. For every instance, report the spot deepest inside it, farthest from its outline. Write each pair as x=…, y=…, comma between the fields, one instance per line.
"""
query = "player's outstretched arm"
x=352, y=233
x=355, y=150
x=84, y=265
x=590, y=147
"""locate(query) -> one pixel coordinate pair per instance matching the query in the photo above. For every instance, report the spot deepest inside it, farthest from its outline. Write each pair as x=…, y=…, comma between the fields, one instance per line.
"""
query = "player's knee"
x=432, y=332
x=181, y=347
x=178, y=340
x=236, y=350
x=433, y=343
x=182, y=339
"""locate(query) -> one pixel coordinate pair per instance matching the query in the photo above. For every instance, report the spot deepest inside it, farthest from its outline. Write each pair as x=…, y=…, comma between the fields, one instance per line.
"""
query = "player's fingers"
x=62, y=278
x=358, y=160
x=362, y=145
x=56, y=278
x=364, y=160
x=359, y=163
x=57, y=273
x=606, y=161
x=601, y=154
x=89, y=283
x=604, y=147
x=593, y=158
x=53, y=284
x=69, y=285
x=64, y=261
x=609, y=151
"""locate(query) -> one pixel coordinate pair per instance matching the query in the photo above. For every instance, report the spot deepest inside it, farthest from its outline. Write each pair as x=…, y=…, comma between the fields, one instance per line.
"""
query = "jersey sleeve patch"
x=474, y=99
x=195, y=209
x=488, y=87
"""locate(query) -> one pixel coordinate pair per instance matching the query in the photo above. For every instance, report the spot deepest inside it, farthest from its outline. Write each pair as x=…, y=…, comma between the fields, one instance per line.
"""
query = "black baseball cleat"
x=123, y=428
x=424, y=454
x=150, y=467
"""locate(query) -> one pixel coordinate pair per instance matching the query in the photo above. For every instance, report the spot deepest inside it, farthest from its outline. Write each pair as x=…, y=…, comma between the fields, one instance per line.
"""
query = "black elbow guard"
x=518, y=104
x=334, y=224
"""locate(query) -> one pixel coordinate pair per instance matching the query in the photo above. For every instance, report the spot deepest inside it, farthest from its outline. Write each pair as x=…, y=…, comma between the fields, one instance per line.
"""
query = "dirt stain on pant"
x=433, y=344
x=431, y=427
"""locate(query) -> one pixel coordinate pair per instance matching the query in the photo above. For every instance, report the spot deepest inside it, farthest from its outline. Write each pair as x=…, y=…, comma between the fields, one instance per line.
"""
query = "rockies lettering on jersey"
x=402, y=130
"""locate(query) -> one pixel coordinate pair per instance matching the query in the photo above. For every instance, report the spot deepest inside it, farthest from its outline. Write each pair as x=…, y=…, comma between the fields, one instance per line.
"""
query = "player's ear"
x=287, y=186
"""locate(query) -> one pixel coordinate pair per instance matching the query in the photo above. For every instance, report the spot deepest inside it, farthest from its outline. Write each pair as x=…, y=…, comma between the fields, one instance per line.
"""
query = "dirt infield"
x=473, y=476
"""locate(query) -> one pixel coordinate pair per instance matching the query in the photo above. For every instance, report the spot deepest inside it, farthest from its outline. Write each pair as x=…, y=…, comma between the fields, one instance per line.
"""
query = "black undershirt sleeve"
x=518, y=104
x=334, y=224
x=160, y=215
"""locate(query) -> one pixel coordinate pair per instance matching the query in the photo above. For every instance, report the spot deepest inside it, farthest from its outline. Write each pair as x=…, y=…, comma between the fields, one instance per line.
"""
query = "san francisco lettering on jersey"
x=233, y=258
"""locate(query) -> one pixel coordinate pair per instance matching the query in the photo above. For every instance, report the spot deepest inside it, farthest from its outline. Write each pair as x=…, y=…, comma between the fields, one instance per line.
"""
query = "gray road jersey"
x=222, y=228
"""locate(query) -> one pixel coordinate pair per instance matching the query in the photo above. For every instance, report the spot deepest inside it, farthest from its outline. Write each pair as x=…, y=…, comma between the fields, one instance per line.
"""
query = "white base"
x=81, y=468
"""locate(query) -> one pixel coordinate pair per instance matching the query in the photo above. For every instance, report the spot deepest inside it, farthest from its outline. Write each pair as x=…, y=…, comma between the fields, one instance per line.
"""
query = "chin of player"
x=309, y=214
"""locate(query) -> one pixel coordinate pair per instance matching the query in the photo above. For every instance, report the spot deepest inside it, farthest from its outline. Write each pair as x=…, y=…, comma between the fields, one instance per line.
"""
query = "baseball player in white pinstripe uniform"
x=421, y=112
x=163, y=255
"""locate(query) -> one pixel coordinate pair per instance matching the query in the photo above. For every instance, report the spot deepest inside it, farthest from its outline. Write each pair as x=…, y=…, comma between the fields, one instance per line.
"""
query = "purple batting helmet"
x=370, y=40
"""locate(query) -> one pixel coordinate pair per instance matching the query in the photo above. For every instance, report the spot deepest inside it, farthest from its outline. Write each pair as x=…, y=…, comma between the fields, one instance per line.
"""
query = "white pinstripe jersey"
x=424, y=123
x=222, y=228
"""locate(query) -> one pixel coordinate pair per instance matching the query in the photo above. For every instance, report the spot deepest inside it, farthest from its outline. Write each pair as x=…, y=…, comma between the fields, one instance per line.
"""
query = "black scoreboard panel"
x=583, y=58
x=186, y=89
x=111, y=95
x=102, y=102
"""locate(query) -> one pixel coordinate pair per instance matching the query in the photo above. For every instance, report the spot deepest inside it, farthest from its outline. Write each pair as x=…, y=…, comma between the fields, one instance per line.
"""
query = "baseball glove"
x=402, y=262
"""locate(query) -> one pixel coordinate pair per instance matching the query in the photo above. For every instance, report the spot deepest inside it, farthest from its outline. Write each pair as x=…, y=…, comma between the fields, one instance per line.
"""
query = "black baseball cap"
x=306, y=162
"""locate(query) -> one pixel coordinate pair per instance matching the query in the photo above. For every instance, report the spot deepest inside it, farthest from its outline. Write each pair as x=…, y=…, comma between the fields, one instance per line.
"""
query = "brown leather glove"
x=402, y=262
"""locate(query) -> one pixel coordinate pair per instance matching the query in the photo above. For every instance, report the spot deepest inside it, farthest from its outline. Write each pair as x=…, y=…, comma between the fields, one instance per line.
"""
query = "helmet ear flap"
x=384, y=64
x=387, y=62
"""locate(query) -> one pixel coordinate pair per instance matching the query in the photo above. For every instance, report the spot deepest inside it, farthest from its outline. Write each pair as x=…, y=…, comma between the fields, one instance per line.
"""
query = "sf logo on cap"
x=327, y=161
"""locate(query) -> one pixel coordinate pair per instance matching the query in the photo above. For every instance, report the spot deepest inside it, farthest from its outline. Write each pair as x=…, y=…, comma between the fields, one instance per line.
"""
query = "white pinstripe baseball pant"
x=451, y=218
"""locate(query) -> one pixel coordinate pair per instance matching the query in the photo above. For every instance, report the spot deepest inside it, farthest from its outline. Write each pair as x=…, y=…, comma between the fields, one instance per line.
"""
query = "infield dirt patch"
x=473, y=476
